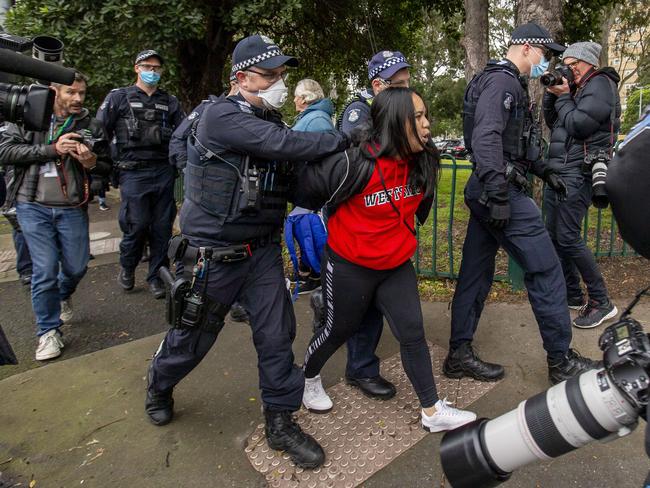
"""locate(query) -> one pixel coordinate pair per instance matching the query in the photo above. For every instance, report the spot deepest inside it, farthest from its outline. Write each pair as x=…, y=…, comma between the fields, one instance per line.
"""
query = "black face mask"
x=628, y=180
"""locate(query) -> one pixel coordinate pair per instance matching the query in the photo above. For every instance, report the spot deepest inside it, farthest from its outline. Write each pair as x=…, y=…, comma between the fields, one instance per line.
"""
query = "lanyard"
x=66, y=124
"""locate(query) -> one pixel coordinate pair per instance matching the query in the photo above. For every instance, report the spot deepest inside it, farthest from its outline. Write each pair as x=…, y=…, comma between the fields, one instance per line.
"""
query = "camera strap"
x=633, y=303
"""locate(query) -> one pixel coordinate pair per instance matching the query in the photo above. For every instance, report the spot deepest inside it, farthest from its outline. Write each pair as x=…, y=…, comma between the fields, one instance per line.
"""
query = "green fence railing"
x=440, y=240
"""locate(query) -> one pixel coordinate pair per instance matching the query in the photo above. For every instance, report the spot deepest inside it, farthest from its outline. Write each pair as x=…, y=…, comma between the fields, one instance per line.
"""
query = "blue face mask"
x=150, y=77
x=540, y=68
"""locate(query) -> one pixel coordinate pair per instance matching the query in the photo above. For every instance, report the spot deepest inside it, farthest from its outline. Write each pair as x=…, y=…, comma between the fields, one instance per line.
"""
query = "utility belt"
x=131, y=165
x=188, y=306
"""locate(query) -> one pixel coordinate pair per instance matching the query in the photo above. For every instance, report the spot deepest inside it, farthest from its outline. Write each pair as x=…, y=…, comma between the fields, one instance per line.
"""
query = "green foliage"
x=102, y=38
x=631, y=114
x=582, y=19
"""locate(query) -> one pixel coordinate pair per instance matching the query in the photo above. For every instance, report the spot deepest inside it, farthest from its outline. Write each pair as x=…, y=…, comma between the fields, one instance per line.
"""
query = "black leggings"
x=348, y=291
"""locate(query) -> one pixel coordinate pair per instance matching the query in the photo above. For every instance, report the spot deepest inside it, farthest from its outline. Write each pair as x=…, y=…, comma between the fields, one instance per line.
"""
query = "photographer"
x=583, y=113
x=50, y=189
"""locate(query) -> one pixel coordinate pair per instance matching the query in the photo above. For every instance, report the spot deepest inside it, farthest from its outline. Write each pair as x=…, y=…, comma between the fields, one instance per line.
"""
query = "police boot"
x=238, y=313
x=572, y=364
x=463, y=361
x=126, y=279
x=318, y=308
x=284, y=434
x=158, y=405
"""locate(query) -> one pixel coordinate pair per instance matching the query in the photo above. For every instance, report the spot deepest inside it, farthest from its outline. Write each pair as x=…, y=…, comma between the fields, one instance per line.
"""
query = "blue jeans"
x=60, y=247
x=23, y=259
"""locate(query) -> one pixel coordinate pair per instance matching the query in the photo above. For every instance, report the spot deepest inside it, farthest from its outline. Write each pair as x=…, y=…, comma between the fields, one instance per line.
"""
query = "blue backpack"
x=308, y=229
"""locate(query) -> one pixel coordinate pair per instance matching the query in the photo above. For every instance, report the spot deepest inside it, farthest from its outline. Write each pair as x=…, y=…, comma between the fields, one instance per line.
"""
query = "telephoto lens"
x=600, y=404
x=598, y=180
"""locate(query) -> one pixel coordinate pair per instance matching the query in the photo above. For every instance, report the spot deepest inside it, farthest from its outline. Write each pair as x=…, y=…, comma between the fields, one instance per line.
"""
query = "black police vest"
x=236, y=189
x=515, y=139
x=147, y=125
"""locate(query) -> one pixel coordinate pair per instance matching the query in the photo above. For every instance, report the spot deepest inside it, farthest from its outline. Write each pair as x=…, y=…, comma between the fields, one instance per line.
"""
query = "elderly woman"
x=302, y=225
x=315, y=111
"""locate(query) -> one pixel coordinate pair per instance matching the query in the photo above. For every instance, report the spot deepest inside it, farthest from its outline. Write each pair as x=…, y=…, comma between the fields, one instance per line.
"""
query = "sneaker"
x=576, y=303
x=308, y=285
x=446, y=417
x=572, y=364
x=49, y=345
x=25, y=279
x=103, y=206
x=314, y=397
x=66, y=310
x=593, y=314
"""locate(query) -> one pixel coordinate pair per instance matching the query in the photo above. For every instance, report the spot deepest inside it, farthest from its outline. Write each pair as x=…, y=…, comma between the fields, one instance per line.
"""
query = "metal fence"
x=440, y=239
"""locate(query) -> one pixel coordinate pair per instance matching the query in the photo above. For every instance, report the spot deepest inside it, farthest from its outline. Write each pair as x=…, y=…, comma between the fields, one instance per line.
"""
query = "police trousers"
x=526, y=240
x=258, y=284
x=146, y=214
x=564, y=224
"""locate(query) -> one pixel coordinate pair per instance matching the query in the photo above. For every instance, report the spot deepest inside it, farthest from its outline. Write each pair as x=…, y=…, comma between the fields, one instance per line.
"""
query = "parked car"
x=445, y=145
x=459, y=151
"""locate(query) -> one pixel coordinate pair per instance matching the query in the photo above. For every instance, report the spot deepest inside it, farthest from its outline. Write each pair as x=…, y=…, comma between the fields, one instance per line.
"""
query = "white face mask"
x=275, y=95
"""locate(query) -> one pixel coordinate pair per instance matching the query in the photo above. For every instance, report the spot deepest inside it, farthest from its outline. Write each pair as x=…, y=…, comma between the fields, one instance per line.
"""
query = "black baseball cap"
x=532, y=33
x=148, y=53
x=259, y=51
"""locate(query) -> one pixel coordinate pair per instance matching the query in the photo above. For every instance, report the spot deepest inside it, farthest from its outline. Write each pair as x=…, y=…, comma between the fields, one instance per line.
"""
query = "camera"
x=601, y=404
x=597, y=164
x=86, y=137
x=30, y=105
x=554, y=77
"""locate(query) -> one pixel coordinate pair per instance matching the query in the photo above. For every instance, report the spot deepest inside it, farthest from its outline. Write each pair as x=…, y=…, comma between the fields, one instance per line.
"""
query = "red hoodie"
x=366, y=229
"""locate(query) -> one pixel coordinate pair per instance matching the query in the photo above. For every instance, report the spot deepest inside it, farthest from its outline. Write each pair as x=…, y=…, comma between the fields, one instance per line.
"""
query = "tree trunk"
x=202, y=63
x=548, y=14
x=609, y=18
x=475, y=40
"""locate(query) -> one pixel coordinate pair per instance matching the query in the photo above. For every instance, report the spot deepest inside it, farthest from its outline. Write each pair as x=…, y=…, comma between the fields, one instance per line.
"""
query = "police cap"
x=385, y=64
x=532, y=33
x=146, y=54
x=259, y=51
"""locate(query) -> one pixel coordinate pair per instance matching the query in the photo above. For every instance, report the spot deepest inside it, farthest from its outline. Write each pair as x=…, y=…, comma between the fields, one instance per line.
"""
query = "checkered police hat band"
x=531, y=40
x=247, y=63
x=386, y=65
x=146, y=55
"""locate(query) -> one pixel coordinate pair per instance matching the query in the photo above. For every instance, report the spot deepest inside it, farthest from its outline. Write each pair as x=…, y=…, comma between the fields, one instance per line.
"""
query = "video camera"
x=554, y=77
x=31, y=105
x=601, y=404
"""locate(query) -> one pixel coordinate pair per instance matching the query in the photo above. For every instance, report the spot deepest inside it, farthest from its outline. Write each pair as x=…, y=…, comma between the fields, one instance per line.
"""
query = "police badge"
x=354, y=115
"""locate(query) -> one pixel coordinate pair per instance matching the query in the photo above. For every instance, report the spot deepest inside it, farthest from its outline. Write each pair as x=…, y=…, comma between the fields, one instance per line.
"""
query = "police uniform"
x=178, y=142
x=236, y=190
x=356, y=114
x=142, y=126
x=497, y=126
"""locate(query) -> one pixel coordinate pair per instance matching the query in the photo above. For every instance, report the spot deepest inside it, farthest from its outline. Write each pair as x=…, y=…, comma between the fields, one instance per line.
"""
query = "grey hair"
x=309, y=90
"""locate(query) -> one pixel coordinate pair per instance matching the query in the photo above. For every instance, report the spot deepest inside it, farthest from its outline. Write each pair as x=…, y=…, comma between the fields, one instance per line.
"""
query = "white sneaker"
x=314, y=397
x=49, y=345
x=446, y=417
x=66, y=310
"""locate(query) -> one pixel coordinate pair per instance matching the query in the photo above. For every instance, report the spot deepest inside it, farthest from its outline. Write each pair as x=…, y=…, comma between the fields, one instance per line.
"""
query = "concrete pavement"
x=80, y=421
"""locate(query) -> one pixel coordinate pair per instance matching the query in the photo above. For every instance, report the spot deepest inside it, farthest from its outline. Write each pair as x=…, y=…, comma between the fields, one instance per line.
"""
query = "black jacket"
x=582, y=119
x=21, y=149
x=337, y=178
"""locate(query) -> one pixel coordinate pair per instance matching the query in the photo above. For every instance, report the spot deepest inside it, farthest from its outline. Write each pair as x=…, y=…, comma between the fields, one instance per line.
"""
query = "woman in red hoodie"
x=376, y=190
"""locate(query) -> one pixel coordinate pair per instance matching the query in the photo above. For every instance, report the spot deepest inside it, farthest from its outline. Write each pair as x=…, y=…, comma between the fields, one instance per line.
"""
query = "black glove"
x=558, y=185
x=499, y=213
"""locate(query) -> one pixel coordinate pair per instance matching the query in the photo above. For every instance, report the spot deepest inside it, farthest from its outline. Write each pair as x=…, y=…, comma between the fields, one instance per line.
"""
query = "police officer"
x=236, y=187
x=142, y=118
x=385, y=69
x=500, y=130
